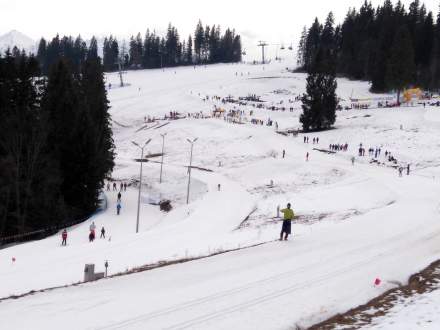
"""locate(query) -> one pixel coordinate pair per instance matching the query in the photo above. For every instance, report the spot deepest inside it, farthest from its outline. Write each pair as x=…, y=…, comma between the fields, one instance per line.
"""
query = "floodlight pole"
x=189, y=168
x=161, y=163
x=140, y=181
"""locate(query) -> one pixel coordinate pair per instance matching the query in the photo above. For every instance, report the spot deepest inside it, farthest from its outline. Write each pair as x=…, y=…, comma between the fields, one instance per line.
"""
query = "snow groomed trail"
x=373, y=224
x=271, y=287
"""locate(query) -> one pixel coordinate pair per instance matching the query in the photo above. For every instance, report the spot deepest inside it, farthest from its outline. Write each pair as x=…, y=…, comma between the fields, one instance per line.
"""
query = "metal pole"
x=140, y=181
x=262, y=44
x=161, y=163
x=189, y=173
x=139, y=192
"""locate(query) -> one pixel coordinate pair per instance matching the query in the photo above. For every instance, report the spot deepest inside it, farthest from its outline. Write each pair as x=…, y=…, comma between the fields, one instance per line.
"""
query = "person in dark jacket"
x=64, y=237
x=92, y=236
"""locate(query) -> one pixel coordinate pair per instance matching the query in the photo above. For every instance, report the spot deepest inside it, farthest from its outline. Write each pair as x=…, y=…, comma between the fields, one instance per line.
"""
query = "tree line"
x=56, y=145
x=390, y=46
x=207, y=45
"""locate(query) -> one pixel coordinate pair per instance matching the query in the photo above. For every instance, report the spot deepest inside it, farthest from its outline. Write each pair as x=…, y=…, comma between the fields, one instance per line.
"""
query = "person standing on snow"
x=307, y=157
x=102, y=232
x=119, y=196
x=118, y=208
x=64, y=237
x=287, y=222
x=284, y=153
x=92, y=228
x=352, y=160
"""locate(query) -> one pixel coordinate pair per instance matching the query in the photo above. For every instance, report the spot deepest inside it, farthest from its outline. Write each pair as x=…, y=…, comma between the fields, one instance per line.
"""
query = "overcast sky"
x=276, y=21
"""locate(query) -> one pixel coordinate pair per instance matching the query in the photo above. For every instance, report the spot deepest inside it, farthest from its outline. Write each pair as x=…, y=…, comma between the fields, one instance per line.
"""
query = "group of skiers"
x=401, y=169
x=338, y=147
x=372, y=152
x=122, y=186
x=314, y=140
x=92, y=235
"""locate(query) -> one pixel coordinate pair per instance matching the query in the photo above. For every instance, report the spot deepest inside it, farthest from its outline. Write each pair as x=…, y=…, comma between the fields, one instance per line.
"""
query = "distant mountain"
x=16, y=38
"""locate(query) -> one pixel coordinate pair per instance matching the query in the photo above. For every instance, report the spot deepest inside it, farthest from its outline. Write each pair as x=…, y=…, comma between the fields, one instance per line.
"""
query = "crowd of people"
x=92, y=227
x=360, y=106
x=338, y=147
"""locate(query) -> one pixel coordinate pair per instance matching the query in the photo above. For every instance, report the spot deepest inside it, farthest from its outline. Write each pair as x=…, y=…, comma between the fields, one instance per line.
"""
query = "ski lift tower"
x=121, y=73
x=262, y=44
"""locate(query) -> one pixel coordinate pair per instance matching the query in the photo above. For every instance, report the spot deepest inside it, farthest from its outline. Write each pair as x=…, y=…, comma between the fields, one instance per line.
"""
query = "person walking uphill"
x=64, y=237
x=286, y=229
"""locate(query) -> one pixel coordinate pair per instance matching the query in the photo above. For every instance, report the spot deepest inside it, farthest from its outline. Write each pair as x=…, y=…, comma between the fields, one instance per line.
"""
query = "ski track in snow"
x=355, y=222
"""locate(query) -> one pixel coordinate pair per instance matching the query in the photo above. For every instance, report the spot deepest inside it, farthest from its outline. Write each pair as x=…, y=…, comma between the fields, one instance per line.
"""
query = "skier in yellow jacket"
x=287, y=222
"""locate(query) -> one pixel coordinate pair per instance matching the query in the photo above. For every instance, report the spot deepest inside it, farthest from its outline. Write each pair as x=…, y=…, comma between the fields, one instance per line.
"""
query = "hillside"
x=354, y=222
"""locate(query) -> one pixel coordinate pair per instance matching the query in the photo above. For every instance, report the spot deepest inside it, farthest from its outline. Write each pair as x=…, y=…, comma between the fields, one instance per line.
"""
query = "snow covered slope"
x=16, y=38
x=355, y=223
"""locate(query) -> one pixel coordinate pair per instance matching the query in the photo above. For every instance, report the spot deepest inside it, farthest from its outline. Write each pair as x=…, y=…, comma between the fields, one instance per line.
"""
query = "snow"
x=421, y=311
x=356, y=223
x=16, y=38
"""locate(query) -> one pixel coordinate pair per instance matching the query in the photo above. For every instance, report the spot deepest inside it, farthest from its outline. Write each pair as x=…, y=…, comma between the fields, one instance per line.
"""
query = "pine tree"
x=97, y=142
x=236, y=49
x=199, y=39
x=92, y=52
x=42, y=54
x=312, y=44
x=320, y=101
x=80, y=53
x=301, y=49
x=189, y=50
x=214, y=44
x=206, y=43
x=401, y=68
x=62, y=101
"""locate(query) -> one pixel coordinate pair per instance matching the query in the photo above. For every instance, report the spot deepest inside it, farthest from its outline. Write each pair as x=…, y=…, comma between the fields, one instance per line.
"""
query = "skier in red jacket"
x=64, y=237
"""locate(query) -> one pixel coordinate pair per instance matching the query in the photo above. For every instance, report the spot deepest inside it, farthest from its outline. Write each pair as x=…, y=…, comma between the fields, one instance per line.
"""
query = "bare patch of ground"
x=425, y=281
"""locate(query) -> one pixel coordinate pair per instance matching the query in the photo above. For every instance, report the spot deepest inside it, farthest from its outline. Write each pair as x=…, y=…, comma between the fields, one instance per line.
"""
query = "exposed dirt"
x=425, y=281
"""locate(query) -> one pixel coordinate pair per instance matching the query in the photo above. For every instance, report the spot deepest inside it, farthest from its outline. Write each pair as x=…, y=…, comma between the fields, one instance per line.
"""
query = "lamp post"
x=161, y=163
x=189, y=168
x=140, y=181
